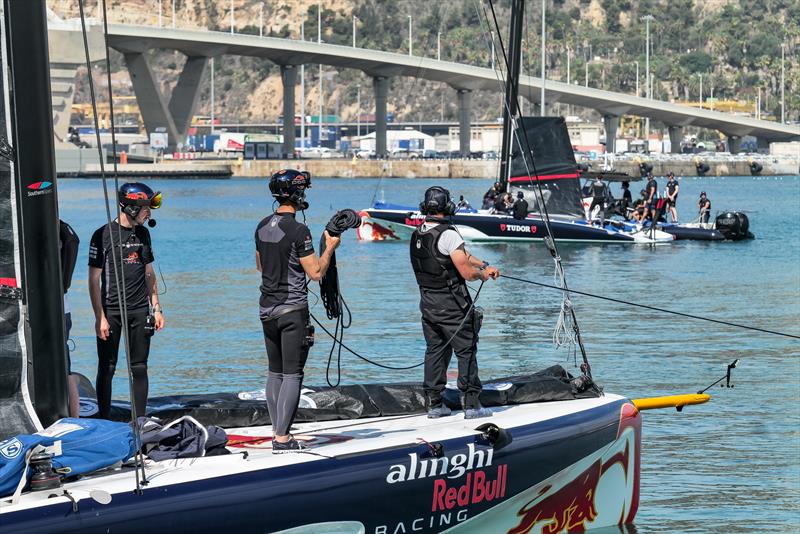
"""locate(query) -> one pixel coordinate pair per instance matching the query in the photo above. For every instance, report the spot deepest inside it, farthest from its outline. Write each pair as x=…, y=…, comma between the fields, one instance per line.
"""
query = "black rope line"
x=116, y=255
x=663, y=310
x=337, y=341
x=354, y=353
x=536, y=184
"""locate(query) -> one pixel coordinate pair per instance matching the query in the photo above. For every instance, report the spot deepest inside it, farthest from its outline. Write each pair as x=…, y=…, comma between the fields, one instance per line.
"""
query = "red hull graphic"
x=571, y=507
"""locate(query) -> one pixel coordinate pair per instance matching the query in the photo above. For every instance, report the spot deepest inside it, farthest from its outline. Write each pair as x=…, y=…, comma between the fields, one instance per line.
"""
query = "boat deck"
x=251, y=448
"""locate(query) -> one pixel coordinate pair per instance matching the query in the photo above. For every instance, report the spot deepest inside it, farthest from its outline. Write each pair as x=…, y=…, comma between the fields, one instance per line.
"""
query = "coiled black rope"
x=329, y=283
x=331, y=296
x=663, y=310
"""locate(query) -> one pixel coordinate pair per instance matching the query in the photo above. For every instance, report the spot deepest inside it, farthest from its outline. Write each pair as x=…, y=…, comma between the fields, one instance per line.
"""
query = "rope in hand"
x=330, y=294
x=663, y=310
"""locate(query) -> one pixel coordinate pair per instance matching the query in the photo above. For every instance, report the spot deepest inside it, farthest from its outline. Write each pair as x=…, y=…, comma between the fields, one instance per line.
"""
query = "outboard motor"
x=734, y=225
x=702, y=168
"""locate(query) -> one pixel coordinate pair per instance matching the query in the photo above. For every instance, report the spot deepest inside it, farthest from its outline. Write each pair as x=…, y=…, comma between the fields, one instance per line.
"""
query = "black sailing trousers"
x=287, y=350
x=442, y=313
x=107, y=353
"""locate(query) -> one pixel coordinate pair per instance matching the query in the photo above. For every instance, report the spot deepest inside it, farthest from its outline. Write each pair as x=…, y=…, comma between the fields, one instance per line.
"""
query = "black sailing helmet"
x=437, y=200
x=291, y=185
x=135, y=196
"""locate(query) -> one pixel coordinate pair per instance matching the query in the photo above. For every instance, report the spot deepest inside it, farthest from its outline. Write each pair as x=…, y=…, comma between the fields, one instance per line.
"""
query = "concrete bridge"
x=200, y=45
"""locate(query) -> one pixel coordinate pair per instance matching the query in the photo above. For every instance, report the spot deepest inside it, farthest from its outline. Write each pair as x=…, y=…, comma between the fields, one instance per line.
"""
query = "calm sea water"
x=732, y=465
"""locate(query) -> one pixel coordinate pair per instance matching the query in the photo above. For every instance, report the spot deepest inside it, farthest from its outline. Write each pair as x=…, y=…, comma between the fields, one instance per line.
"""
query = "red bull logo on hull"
x=601, y=490
x=573, y=507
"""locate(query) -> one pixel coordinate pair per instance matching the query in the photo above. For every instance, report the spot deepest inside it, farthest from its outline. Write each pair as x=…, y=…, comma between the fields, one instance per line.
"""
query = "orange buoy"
x=123, y=158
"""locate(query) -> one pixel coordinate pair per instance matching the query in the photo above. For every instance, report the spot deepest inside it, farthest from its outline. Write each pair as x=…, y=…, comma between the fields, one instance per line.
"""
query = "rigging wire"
x=115, y=254
x=336, y=337
x=567, y=319
x=654, y=308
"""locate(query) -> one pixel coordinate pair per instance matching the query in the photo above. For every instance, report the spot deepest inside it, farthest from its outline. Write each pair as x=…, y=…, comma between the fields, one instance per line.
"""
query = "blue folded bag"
x=79, y=446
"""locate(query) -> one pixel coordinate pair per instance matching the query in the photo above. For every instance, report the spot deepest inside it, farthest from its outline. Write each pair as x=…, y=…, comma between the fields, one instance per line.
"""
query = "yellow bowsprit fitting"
x=671, y=401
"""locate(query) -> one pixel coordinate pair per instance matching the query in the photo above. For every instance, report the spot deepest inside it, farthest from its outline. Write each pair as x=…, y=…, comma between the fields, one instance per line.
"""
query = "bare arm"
x=316, y=267
x=94, y=292
x=152, y=287
x=101, y=328
x=470, y=267
x=258, y=261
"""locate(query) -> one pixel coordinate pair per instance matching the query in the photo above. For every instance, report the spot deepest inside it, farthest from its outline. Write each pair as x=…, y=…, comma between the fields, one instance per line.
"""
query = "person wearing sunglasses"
x=125, y=242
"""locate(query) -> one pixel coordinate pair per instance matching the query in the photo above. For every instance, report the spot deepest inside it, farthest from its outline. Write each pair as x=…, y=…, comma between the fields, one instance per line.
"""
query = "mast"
x=512, y=86
x=31, y=117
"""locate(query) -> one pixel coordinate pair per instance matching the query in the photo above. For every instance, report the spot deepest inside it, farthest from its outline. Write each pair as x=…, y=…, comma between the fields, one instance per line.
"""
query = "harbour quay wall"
x=440, y=169
x=367, y=168
x=342, y=168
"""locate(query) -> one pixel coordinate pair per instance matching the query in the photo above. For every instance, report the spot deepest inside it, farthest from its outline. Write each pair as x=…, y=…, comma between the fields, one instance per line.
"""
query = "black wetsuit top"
x=520, y=209
x=500, y=204
x=672, y=185
x=651, y=188
x=137, y=252
x=599, y=190
x=627, y=198
x=281, y=241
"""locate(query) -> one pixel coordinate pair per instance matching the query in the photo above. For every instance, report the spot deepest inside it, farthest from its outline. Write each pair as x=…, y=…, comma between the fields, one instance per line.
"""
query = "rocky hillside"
x=734, y=47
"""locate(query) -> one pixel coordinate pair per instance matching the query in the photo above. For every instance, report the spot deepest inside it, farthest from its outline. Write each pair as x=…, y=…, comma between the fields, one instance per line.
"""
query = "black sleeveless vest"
x=433, y=269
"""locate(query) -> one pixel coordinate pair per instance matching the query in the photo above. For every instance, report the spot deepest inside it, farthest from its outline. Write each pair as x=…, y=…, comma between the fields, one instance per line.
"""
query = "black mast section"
x=32, y=127
x=512, y=86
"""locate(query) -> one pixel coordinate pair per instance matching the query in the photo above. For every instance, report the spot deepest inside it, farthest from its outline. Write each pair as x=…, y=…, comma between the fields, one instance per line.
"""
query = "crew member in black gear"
x=68, y=244
x=520, y=209
x=449, y=321
x=128, y=241
x=490, y=195
x=651, y=197
x=285, y=256
x=672, y=196
x=704, y=207
x=599, y=192
x=627, y=197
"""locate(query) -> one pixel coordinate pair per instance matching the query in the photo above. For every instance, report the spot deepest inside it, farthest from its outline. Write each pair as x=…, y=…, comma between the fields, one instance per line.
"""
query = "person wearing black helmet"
x=450, y=321
x=125, y=242
x=285, y=257
x=520, y=209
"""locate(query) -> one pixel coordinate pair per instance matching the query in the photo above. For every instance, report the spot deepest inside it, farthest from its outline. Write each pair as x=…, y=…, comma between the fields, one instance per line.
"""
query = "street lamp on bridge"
x=410, y=44
x=648, y=83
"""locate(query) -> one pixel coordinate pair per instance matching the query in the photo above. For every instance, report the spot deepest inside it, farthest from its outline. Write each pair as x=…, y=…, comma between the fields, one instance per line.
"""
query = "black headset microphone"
x=133, y=212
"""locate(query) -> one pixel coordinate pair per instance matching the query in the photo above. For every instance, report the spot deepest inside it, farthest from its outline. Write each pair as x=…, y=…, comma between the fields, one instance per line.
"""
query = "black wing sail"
x=547, y=150
x=16, y=411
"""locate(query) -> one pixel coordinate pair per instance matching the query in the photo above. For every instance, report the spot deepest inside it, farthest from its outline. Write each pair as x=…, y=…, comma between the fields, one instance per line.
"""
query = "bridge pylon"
x=176, y=116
